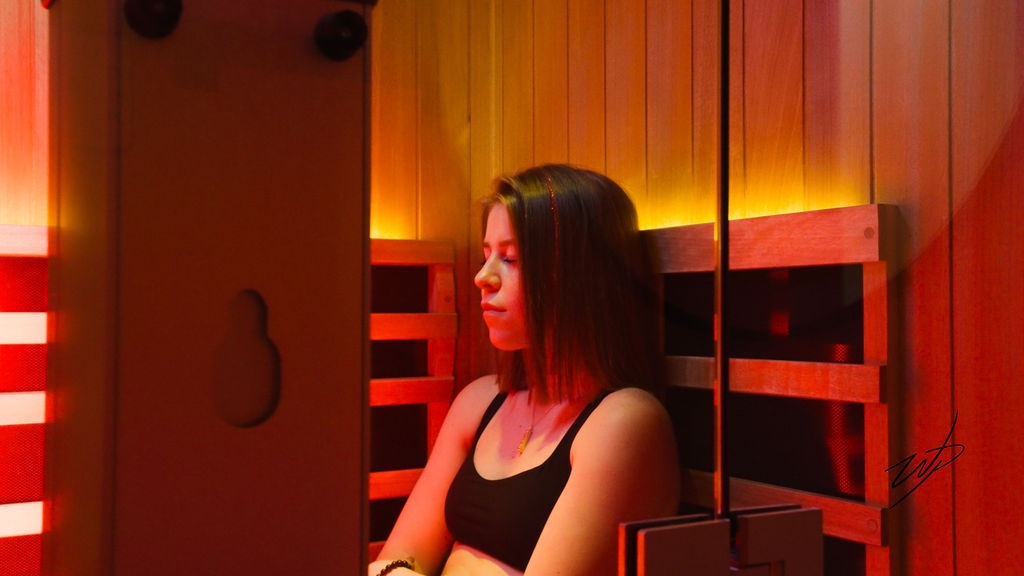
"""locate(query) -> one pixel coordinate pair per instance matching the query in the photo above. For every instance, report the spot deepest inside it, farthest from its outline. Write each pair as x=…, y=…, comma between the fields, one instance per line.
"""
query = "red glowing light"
x=22, y=328
x=21, y=519
x=23, y=240
x=22, y=367
x=22, y=408
x=21, y=459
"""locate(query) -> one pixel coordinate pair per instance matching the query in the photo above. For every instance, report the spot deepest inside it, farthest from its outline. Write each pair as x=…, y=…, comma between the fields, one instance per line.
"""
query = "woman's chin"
x=506, y=344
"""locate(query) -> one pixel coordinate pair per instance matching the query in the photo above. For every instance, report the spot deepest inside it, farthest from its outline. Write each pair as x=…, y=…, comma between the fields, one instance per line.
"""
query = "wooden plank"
x=684, y=248
x=737, y=112
x=394, y=121
x=445, y=192
x=878, y=560
x=842, y=518
x=847, y=519
x=879, y=434
x=413, y=326
x=911, y=141
x=586, y=22
x=690, y=548
x=773, y=109
x=875, y=289
x=627, y=531
x=987, y=284
x=411, y=252
x=705, y=79
x=393, y=483
x=847, y=235
x=837, y=126
x=877, y=454
x=516, y=82
x=86, y=188
x=550, y=81
x=485, y=105
x=835, y=236
x=16, y=240
x=792, y=538
x=441, y=289
x=697, y=372
x=441, y=299
x=423, y=390
x=817, y=380
x=669, y=113
x=821, y=380
x=626, y=100
x=24, y=114
x=443, y=120
x=485, y=161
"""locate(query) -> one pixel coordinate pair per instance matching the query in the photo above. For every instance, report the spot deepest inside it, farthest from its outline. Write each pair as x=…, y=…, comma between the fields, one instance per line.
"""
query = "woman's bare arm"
x=420, y=533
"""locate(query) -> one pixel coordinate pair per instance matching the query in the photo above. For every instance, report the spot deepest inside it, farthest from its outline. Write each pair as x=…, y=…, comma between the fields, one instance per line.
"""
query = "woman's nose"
x=486, y=279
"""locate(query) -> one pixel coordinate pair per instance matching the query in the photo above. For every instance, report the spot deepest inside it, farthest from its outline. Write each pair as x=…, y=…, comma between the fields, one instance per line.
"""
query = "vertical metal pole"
x=721, y=387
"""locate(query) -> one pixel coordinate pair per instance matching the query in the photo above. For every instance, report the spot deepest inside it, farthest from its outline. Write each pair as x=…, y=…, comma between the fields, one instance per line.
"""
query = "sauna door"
x=242, y=245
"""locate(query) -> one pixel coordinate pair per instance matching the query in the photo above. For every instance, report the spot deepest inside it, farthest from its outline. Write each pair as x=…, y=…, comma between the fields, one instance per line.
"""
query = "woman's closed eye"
x=507, y=259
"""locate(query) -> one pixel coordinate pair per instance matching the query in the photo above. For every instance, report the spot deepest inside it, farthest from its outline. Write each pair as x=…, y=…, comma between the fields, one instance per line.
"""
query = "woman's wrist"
x=393, y=567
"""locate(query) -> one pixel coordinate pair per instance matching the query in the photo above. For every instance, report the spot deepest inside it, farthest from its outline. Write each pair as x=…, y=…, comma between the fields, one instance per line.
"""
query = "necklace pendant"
x=526, y=438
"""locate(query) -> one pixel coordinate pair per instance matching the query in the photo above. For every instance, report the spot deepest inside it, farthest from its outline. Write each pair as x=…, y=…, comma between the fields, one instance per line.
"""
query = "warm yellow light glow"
x=654, y=221
x=743, y=205
x=21, y=519
x=379, y=229
x=23, y=240
x=22, y=408
x=22, y=327
x=774, y=201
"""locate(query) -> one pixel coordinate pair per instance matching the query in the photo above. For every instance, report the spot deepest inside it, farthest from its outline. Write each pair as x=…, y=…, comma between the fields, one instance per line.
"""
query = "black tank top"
x=504, y=517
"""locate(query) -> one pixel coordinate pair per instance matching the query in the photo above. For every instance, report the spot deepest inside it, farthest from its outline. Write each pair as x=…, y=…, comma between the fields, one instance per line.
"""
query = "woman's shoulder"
x=471, y=402
x=627, y=414
x=630, y=403
x=483, y=389
x=627, y=448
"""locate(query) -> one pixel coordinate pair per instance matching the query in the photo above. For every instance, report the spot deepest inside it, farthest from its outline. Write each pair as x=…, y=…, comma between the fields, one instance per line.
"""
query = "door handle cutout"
x=246, y=366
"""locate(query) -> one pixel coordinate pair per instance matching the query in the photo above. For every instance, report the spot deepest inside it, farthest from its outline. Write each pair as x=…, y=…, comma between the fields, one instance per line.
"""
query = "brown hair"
x=588, y=283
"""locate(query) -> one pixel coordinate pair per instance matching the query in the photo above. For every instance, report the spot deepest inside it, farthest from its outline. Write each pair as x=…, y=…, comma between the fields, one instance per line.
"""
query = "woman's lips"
x=491, y=311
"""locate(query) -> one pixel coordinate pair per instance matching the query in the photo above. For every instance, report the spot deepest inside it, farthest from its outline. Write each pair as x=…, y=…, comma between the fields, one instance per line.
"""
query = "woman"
x=535, y=467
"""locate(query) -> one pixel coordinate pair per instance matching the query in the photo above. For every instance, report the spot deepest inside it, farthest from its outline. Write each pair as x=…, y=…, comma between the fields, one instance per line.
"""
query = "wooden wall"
x=834, y=103
x=987, y=281
x=24, y=52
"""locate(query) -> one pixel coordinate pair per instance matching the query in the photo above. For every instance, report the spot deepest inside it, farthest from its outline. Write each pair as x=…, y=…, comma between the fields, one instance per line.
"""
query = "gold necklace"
x=533, y=421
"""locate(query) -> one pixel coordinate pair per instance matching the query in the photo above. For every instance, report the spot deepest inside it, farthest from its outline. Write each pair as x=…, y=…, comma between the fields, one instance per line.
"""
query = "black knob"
x=339, y=35
x=152, y=18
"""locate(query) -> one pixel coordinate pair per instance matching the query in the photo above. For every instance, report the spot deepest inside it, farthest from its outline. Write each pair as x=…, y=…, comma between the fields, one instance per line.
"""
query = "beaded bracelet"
x=393, y=565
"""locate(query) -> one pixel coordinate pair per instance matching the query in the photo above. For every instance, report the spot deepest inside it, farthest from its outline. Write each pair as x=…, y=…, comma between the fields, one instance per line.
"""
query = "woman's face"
x=501, y=292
